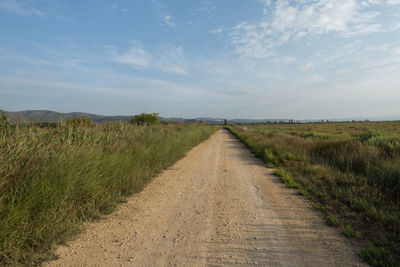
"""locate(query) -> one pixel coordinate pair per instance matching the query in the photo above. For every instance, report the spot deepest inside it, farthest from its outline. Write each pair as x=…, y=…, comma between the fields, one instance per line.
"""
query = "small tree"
x=80, y=121
x=145, y=119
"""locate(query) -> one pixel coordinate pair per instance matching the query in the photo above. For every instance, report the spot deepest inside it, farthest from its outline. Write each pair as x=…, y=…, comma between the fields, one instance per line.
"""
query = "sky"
x=304, y=59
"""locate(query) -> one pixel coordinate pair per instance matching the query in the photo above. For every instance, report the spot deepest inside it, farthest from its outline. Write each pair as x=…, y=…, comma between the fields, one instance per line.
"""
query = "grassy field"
x=53, y=178
x=350, y=170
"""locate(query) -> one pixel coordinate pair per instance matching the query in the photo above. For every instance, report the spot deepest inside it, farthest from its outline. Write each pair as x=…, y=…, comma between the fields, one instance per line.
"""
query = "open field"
x=52, y=179
x=350, y=170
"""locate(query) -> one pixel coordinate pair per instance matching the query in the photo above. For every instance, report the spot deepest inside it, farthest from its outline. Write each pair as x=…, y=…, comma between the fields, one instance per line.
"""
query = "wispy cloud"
x=207, y=7
x=166, y=58
x=392, y=48
x=285, y=60
x=288, y=21
x=169, y=20
x=136, y=56
x=20, y=7
x=219, y=30
x=172, y=59
x=393, y=2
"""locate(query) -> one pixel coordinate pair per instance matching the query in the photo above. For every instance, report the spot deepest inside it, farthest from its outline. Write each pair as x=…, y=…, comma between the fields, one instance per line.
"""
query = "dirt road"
x=219, y=206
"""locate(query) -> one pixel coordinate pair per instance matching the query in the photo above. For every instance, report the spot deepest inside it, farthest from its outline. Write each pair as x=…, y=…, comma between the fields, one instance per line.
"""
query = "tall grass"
x=352, y=170
x=53, y=178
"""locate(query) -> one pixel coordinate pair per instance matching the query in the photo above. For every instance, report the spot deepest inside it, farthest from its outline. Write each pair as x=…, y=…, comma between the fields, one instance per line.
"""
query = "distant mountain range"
x=53, y=116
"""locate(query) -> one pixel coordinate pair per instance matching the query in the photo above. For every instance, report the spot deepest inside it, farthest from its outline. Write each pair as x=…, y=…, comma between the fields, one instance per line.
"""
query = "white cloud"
x=392, y=48
x=288, y=21
x=169, y=20
x=207, y=7
x=169, y=59
x=395, y=27
x=136, y=56
x=342, y=54
x=285, y=60
x=19, y=7
x=393, y=2
x=368, y=3
x=217, y=31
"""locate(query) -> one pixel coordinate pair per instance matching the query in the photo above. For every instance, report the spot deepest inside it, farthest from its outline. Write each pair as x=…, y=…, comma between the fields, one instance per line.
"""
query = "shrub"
x=80, y=121
x=145, y=119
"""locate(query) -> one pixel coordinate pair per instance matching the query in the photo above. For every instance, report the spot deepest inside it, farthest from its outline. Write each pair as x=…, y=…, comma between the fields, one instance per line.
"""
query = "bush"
x=80, y=121
x=145, y=119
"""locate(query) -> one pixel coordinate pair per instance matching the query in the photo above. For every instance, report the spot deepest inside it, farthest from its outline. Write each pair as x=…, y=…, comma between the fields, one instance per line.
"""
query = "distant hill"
x=52, y=116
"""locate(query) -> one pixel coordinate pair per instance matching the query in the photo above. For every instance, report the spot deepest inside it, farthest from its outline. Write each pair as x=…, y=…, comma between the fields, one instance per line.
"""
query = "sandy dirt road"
x=218, y=206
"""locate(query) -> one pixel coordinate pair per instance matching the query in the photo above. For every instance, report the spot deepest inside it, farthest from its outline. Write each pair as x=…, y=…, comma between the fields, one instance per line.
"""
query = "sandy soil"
x=218, y=206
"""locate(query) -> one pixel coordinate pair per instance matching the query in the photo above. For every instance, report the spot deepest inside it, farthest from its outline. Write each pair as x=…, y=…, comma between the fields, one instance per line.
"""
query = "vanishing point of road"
x=218, y=206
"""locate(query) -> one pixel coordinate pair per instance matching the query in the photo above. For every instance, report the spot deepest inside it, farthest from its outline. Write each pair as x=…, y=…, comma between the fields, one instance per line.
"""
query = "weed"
x=332, y=220
x=286, y=177
x=349, y=231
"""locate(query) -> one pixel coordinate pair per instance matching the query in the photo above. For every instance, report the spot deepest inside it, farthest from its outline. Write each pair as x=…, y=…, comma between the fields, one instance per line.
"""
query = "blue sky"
x=316, y=59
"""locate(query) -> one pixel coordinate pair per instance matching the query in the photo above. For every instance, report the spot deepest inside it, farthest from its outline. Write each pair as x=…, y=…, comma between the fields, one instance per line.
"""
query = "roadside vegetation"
x=53, y=177
x=350, y=170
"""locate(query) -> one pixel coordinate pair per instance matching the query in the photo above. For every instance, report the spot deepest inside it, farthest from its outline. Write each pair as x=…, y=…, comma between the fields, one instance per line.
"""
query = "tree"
x=80, y=121
x=145, y=119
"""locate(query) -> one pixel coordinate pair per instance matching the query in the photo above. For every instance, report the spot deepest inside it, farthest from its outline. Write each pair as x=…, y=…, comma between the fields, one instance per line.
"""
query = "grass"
x=376, y=256
x=53, y=178
x=350, y=170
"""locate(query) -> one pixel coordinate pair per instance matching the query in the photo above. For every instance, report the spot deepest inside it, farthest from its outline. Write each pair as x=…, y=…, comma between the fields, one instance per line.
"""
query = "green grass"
x=53, y=178
x=350, y=170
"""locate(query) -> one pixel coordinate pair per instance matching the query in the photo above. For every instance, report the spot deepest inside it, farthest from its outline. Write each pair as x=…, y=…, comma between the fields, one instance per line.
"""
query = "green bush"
x=80, y=121
x=145, y=119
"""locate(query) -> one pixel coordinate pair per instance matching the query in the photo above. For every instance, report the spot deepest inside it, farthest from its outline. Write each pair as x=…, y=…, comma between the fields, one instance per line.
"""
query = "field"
x=350, y=170
x=55, y=176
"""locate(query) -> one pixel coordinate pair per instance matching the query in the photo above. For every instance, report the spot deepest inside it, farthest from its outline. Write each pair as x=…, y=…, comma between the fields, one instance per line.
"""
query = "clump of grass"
x=332, y=220
x=286, y=177
x=351, y=171
x=377, y=256
x=53, y=178
x=349, y=231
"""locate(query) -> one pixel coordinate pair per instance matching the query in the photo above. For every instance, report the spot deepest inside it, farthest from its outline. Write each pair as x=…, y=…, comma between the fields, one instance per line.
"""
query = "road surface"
x=218, y=206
